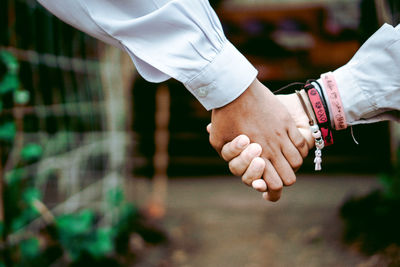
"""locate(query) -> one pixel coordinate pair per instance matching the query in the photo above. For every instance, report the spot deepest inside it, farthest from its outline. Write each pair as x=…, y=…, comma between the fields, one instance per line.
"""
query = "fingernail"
x=265, y=195
x=254, y=150
x=242, y=142
x=259, y=185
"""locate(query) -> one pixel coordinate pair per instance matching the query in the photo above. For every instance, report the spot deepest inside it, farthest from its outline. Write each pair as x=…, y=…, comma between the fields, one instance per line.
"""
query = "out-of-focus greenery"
x=7, y=131
x=31, y=152
x=373, y=220
x=9, y=81
x=74, y=239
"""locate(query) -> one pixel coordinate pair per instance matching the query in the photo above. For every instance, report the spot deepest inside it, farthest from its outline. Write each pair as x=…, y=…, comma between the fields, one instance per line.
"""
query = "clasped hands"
x=263, y=137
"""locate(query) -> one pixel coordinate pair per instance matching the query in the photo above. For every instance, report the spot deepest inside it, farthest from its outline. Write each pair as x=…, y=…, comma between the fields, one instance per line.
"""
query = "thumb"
x=209, y=126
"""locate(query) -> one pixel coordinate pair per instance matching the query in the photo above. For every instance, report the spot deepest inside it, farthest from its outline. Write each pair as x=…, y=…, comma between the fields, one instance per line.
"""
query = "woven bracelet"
x=321, y=113
x=335, y=100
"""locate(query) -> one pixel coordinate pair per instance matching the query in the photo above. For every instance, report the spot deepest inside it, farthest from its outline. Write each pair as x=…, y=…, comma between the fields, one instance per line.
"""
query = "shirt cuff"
x=356, y=102
x=368, y=83
x=223, y=79
x=354, y=99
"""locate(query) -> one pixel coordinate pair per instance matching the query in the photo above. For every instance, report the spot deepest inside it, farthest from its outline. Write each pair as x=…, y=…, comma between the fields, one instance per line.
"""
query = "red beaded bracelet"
x=320, y=114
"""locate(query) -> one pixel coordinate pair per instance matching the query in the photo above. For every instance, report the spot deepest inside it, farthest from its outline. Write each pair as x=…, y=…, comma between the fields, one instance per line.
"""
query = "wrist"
x=223, y=79
x=330, y=89
x=253, y=92
x=230, y=116
x=321, y=112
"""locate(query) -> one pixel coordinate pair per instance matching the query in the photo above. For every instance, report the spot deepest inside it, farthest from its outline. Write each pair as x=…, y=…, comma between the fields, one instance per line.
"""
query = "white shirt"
x=182, y=39
x=369, y=84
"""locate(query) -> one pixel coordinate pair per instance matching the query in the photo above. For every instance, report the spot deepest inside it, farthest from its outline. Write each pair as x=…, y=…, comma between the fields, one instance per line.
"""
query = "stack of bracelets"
x=318, y=112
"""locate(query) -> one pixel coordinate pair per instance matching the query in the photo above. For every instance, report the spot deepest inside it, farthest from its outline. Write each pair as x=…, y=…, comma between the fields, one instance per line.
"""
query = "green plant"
x=372, y=220
x=9, y=81
x=75, y=239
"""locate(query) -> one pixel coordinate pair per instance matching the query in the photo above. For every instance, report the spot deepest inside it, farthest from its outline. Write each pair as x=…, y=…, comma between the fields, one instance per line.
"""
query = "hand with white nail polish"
x=244, y=157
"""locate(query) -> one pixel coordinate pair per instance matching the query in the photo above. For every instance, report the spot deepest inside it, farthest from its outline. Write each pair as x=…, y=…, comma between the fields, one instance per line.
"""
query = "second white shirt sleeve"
x=369, y=84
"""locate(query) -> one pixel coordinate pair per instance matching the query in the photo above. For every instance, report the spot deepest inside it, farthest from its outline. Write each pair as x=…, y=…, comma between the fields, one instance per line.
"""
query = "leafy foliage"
x=31, y=152
x=14, y=176
x=30, y=248
x=9, y=80
x=78, y=234
x=75, y=239
x=7, y=131
x=373, y=219
x=27, y=210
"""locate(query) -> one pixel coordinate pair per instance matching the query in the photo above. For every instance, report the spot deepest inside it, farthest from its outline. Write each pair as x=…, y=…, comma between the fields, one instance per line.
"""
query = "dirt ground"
x=220, y=222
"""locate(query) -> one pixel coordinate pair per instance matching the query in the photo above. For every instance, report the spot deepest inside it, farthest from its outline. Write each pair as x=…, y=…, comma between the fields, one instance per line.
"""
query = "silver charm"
x=319, y=145
x=318, y=159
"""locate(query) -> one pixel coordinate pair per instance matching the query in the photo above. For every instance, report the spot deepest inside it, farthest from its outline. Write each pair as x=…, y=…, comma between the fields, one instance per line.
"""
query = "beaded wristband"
x=331, y=88
x=324, y=102
x=320, y=112
x=316, y=133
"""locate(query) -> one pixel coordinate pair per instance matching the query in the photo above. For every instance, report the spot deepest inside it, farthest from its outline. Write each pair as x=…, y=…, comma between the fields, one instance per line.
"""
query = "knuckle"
x=259, y=165
x=246, y=156
x=246, y=180
x=257, y=147
x=304, y=152
x=226, y=152
x=278, y=133
x=275, y=186
x=297, y=162
x=287, y=119
x=271, y=154
x=251, y=152
x=290, y=181
x=234, y=168
x=301, y=144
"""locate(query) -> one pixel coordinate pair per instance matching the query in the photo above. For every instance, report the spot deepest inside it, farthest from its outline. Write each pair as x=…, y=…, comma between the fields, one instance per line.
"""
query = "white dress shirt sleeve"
x=182, y=39
x=369, y=84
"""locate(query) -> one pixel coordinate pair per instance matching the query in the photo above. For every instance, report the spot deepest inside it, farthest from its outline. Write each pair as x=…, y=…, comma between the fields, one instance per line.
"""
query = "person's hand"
x=296, y=111
x=240, y=152
x=259, y=114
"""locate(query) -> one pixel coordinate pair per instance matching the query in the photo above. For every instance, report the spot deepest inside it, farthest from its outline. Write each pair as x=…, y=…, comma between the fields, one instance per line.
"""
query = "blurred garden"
x=100, y=168
x=63, y=145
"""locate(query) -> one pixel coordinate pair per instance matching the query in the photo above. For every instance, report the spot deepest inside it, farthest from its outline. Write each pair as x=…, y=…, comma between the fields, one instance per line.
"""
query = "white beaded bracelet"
x=315, y=132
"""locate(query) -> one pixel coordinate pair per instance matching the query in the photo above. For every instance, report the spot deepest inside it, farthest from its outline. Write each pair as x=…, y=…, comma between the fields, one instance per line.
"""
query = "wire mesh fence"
x=65, y=106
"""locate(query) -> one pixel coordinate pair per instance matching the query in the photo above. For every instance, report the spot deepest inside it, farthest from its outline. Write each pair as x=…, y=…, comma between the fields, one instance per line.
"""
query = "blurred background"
x=100, y=168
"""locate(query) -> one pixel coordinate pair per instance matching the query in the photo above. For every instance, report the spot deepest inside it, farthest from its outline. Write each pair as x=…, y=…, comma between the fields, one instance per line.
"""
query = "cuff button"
x=202, y=91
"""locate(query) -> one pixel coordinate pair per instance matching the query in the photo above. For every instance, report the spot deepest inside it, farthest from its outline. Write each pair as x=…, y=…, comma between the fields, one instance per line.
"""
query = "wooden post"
x=383, y=12
x=114, y=115
x=128, y=72
x=117, y=74
x=157, y=205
